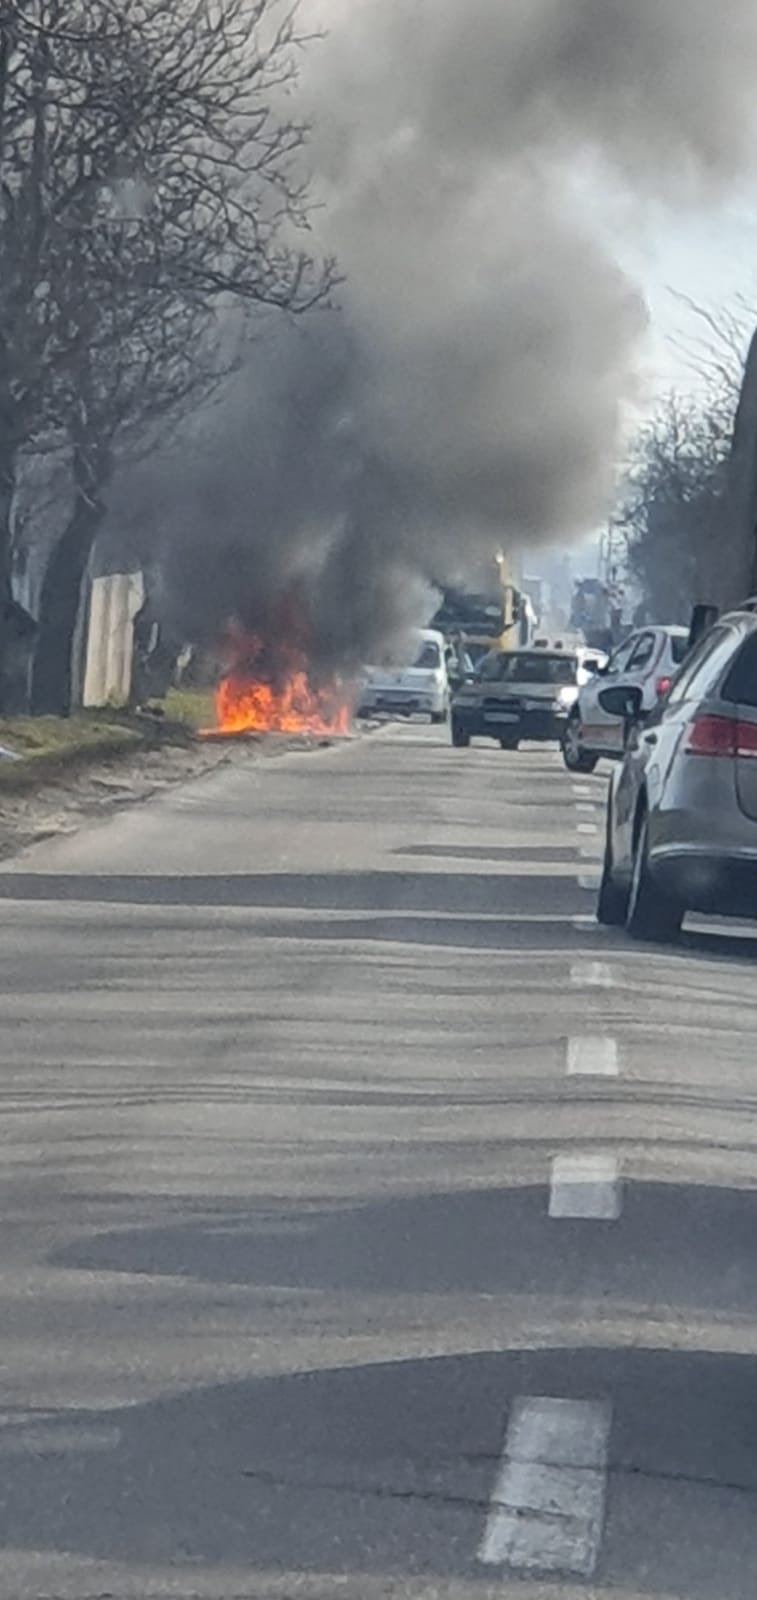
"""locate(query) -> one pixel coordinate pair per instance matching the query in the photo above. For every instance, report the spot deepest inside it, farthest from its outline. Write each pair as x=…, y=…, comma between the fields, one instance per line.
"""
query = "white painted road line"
x=590, y=852
x=586, y=809
x=588, y=827
x=592, y=1057
x=586, y=1187
x=589, y=880
x=548, y=1507
x=583, y=790
x=591, y=975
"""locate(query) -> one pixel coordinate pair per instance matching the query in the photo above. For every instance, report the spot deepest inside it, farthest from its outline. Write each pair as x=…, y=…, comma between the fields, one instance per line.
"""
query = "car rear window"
x=643, y=652
x=705, y=666
x=740, y=686
x=428, y=656
x=679, y=648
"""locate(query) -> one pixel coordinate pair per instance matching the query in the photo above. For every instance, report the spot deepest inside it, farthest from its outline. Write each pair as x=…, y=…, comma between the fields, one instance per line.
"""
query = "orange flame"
x=248, y=700
x=295, y=707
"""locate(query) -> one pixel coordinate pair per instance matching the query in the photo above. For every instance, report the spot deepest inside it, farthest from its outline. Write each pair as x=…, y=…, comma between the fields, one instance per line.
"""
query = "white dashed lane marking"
x=592, y=1057
x=588, y=827
x=591, y=975
x=585, y=808
x=585, y=1187
x=548, y=1507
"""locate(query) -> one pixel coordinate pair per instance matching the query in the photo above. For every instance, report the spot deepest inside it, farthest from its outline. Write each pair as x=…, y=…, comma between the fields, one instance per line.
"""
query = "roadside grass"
x=46, y=744
x=190, y=708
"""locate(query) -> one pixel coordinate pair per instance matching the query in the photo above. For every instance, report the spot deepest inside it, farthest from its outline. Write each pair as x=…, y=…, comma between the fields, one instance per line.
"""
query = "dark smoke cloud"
x=469, y=390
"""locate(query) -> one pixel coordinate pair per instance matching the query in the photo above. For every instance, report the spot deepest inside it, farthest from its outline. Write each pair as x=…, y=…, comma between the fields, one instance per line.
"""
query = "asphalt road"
x=373, y=1224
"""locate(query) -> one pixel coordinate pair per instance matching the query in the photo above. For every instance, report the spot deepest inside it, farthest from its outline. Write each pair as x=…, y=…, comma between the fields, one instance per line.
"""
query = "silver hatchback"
x=682, y=807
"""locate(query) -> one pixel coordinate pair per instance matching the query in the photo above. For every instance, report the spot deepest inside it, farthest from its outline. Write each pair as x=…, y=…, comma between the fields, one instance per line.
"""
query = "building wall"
x=114, y=602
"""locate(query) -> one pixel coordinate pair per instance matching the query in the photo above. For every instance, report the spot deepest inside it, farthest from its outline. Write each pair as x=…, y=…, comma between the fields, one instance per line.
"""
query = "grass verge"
x=46, y=746
x=191, y=708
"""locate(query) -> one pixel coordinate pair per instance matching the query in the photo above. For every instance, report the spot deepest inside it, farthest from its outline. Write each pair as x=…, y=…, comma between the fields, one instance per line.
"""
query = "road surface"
x=374, y=1225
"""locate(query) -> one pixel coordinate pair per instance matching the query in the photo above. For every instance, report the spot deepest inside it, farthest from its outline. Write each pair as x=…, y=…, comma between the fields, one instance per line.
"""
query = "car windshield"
x=429, y=655
x=536, y=667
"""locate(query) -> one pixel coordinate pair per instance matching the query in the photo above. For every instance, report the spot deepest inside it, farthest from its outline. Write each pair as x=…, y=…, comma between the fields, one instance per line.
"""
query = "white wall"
x=113, y=605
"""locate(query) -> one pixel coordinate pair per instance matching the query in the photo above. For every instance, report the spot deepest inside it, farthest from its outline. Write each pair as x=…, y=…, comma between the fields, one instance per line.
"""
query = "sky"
x=712, y=259
x=708, y=256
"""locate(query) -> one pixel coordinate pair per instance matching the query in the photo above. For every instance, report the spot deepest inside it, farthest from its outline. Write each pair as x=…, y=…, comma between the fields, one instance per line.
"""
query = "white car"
x=420, y=686
x=648, y=660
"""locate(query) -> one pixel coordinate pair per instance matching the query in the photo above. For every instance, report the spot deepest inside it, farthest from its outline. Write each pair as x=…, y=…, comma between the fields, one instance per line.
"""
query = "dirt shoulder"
x=75, y=775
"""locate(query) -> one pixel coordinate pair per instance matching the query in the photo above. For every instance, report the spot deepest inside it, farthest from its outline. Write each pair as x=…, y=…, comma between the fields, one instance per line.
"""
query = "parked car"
x=647, y=660
x=514, y=695
x=682, y=809
x=418, y=685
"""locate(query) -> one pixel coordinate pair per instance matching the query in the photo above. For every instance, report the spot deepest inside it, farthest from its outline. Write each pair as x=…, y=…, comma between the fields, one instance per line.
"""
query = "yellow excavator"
x=499, y=618
x=473, y=623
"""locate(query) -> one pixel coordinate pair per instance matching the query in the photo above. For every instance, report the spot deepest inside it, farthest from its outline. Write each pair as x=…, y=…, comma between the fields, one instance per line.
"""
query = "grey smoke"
x=470, y=388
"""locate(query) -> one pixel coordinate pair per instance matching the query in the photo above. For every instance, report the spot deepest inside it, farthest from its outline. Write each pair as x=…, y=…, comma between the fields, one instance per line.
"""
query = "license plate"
x=501, y=716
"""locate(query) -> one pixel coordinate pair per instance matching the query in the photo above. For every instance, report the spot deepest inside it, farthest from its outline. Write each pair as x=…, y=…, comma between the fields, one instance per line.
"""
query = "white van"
x=420, y=687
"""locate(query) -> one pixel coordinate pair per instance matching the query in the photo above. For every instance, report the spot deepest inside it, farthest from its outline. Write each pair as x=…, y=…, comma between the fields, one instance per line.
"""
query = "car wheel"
x=612, y=903
x=509, y=744
x=576, y=759
x=652, y=914
x=460, y=738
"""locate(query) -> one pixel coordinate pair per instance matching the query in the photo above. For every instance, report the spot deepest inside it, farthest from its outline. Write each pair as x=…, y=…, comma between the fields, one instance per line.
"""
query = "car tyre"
x=460, y=738
x=509, y=744
x=576, y=759
x=652, y=914
x=612, y=902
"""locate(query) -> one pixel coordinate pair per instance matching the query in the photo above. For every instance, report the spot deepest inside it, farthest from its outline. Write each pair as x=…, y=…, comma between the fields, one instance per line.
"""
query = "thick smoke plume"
x=469, y=388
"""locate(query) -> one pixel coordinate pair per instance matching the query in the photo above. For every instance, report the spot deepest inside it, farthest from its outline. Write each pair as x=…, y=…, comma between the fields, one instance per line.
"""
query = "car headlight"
x=566, y=698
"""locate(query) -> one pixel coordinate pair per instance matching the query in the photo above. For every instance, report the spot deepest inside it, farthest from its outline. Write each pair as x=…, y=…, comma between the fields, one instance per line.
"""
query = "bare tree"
x=715, y=353
x=672, y=507
x=137, y=371
x=149, y=176
x=675, y=510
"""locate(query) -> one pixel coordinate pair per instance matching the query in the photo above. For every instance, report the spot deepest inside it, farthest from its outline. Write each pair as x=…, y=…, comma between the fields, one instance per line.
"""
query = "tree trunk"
x=59, y=609
x=16, y=626
x=6, y=503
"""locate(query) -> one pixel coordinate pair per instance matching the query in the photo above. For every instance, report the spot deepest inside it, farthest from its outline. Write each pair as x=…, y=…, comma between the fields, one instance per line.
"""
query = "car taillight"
x=662, y=685
x=746, y=739
x=721, y=736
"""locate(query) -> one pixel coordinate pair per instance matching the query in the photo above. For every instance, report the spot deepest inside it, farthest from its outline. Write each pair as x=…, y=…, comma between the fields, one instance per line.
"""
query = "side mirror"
x=593, y=664
x=619, y=702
